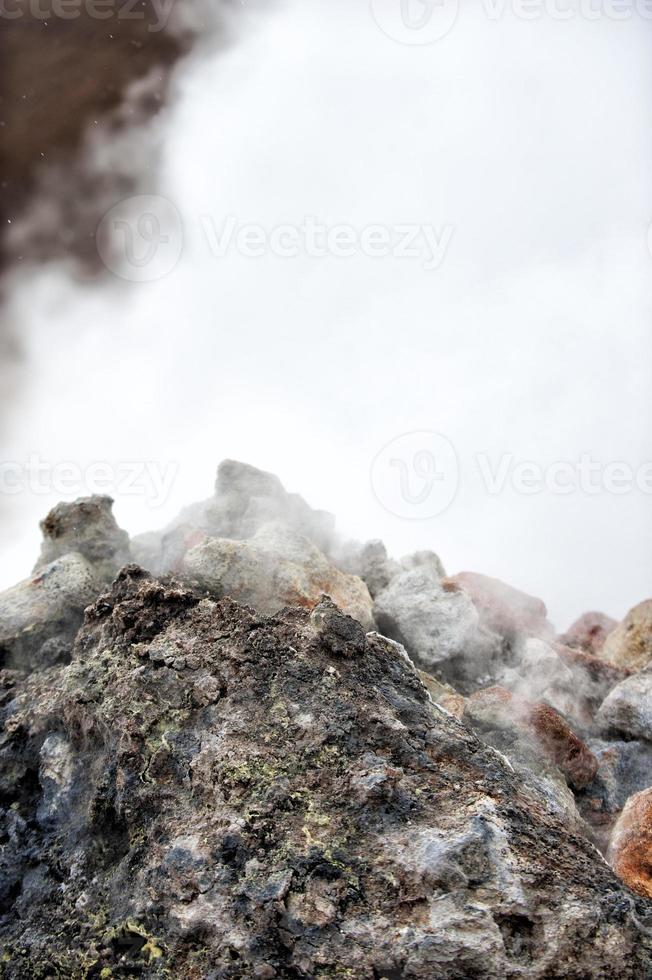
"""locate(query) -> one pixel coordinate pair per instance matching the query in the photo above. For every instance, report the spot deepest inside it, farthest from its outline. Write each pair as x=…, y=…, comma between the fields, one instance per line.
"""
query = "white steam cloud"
x=519, y=151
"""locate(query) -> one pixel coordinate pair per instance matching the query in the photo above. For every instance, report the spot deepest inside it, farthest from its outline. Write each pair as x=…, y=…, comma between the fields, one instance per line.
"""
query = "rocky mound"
x=300, y=757
x=204, y=792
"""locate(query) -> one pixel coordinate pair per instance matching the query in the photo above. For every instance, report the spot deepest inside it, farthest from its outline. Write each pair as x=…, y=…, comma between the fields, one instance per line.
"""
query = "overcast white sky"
x=528, y=146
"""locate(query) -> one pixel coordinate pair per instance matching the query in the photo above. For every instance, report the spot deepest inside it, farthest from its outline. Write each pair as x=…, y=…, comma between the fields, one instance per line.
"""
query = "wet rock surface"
x=205, y=792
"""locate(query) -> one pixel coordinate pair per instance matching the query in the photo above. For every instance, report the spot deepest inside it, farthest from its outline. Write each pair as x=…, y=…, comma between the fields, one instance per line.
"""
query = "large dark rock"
x=207, y=793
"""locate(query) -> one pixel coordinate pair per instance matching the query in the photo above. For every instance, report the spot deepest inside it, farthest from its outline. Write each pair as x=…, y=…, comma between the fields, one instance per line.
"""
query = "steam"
x=531, y=338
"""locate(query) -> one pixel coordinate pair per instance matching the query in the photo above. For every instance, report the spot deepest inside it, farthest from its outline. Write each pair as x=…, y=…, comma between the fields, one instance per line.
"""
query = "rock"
x=40, y=616
x=275, y=568
x=498, y=708
x=434, y=623
x=86, y=526
x=592, y=678
x=630, y=644
x=624, y=768
x=426, y=560
x=372, y=564
x=502, y=608
x=443, y=694
x=338, y=633
x=627, y=709
x=630, y=849
x=589, y=632
x=536, y=672
x=248, y=804
x=369, y=562
x=247, y=498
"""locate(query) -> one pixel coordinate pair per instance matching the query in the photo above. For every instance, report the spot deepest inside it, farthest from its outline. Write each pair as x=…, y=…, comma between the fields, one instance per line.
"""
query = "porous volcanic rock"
x=277, y=567
x=630, y=849
x=207, y=793
x=86, y=526
x=630, y=644
x=40, y=616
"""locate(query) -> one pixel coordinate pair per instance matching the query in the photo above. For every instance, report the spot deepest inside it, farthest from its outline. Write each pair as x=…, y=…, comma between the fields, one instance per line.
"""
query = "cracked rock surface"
x=206, y=792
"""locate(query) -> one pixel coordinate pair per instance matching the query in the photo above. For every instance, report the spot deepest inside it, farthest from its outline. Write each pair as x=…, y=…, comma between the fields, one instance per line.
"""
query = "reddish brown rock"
x=630, y=849
x=558, y=741
x=502, y=608
x=589, y=632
